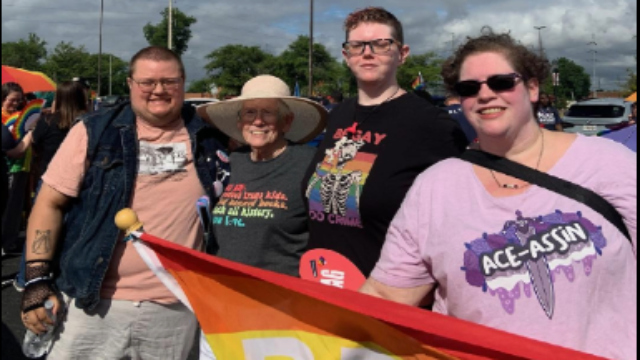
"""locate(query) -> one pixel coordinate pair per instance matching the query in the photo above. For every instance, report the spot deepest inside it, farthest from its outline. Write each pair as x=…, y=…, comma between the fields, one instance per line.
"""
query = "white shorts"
x=118, y=329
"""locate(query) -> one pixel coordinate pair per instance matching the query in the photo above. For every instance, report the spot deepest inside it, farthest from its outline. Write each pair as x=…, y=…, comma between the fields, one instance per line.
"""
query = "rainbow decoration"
x=19, y=122
x=418, y=84
x=249, y=313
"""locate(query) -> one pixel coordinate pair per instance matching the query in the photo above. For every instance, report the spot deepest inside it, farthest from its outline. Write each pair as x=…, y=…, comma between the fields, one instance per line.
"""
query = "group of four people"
x=379, y=191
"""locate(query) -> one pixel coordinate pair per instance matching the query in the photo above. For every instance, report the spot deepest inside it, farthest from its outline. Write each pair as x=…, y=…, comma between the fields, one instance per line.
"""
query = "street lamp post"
x=100, y=50
x=540, y=28
x=311, y=50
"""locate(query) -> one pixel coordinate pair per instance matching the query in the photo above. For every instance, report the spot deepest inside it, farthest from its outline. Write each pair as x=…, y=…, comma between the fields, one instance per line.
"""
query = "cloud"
x=434, y=25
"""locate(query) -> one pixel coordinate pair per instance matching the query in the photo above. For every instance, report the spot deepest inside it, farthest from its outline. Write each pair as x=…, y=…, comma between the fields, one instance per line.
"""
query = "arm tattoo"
x=42, y=243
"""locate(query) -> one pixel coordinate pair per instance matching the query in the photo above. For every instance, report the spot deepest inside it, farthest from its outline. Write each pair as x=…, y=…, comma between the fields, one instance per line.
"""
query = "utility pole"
x=311, y=51
x=170, y=24
x=100, y=50
x=110, y=71
x=453, y=44
x=540, y=28
x=594, y=52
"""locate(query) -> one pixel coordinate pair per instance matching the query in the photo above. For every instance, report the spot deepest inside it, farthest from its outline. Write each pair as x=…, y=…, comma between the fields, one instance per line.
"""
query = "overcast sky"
x=430, y=25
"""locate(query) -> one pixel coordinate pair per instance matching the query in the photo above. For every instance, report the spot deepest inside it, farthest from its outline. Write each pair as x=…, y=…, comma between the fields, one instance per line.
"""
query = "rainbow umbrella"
x=30, y=81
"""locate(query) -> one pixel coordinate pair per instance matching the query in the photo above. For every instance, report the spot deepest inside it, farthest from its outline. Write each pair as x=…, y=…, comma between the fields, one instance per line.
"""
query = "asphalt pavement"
x=12, y=329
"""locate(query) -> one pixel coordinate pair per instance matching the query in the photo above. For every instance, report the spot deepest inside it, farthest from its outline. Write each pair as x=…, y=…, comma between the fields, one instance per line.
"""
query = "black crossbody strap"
x=549, y=182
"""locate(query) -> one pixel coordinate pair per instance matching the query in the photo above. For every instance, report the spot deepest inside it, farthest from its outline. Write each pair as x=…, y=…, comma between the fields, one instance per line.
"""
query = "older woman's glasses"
x=250, y=115
x=497, y=83
x=148, y=85
x=378, y=46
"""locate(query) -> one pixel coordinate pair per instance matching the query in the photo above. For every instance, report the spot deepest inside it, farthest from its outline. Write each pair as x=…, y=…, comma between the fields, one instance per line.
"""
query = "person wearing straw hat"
x=261, y=219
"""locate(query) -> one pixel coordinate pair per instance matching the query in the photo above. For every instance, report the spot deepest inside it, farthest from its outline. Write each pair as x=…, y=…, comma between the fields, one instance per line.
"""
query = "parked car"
x=591, y=117
x=195, y=102
x=112, y=100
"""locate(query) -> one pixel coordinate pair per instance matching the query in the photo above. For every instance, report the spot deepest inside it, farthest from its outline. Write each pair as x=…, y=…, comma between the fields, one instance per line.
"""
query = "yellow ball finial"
x=127, y=220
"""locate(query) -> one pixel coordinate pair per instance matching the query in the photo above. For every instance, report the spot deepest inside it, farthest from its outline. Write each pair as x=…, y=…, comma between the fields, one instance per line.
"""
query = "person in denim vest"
x=153, y=155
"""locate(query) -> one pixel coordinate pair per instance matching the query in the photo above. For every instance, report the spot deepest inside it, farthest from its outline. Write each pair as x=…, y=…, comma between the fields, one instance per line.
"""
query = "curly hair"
x=376, y=15
x=525, y=61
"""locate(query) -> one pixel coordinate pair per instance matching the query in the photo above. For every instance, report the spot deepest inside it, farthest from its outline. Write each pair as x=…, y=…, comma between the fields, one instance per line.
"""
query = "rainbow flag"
x=19, y=122
x=248, y=313
x=418, y=84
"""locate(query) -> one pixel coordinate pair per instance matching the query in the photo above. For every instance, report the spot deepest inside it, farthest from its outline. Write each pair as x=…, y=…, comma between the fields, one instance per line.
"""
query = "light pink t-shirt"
x=536, y=264
x=166, y=191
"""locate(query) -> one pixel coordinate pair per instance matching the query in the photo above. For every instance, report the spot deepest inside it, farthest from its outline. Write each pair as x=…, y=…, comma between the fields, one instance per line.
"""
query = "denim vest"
x=90, y=235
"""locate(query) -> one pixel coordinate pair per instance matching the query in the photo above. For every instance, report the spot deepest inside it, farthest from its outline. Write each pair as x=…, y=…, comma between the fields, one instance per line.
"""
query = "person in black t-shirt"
x=375, y=146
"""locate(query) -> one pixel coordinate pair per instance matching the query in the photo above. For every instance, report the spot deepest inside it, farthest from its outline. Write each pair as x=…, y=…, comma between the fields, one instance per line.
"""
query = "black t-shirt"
x=47, y=137
x=355, y=187
x=261, y=219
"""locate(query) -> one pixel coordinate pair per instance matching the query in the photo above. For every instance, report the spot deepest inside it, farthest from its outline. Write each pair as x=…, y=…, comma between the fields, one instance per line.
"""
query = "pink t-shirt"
x=166, y=191
x=536, y=264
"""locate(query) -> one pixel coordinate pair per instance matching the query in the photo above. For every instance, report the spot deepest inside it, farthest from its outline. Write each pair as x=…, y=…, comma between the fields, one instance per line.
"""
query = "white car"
x=195, y=102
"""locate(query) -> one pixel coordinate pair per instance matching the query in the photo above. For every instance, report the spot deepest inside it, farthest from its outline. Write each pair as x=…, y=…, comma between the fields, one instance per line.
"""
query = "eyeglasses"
x=148, y=85
x=496, y=83
x=250, y=115
x=378, y=46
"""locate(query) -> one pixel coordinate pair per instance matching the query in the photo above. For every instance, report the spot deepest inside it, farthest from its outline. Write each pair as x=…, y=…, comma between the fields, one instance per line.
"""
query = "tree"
x=631, y=85
x=27, y=54
x=158, y=34
x=68, y=61
x=200, y=86
x=575, y=83
x=231, y=66
x=429, y=65
x=293, y=65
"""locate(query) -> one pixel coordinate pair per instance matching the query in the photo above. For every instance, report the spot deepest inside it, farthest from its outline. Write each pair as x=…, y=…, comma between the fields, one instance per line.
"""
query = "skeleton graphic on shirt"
x=335, y=187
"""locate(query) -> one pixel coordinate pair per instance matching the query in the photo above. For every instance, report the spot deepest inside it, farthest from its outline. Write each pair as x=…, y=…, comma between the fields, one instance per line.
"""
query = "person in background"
x=10, y=149
x=12, y=102
x=453, y=106
x=504, y=253
x=548, y=116
x=70, y=103
x=633, y=117
x=335, y=99
x=158, y=158
x=375, y=145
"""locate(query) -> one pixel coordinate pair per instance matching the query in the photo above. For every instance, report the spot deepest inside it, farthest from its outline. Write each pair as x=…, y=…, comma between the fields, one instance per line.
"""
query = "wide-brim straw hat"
x=309, y=119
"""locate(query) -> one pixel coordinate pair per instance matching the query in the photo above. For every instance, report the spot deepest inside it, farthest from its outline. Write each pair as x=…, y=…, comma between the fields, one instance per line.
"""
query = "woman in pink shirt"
x=498, y=251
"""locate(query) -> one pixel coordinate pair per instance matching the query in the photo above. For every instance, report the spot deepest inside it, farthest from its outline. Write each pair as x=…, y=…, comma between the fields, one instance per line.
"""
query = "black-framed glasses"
x=378, y=46
x=498, y=83
x=148, y=85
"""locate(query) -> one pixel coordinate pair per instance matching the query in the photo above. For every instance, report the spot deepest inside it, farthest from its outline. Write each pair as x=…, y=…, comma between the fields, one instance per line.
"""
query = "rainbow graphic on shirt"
x=529, y=254
x=19, y=122
x=336, y=186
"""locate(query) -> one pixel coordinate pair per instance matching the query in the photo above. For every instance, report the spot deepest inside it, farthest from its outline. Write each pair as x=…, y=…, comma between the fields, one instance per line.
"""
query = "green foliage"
x=428, y=64
x=293, y=65
x=200, y=86
x=231, y=66
x=28, y=54
x=631, y=85
x=158, y=34
x=575, y=83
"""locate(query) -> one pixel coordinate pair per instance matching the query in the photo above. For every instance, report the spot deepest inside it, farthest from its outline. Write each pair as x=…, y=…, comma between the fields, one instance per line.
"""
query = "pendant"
x=511, y=187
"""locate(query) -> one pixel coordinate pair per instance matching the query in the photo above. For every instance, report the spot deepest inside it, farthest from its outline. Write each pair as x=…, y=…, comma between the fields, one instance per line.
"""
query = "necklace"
x=352, y=130
x=516, y=186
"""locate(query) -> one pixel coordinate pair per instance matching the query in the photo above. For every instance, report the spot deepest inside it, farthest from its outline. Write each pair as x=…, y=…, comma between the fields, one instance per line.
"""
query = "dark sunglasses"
x=496, y=83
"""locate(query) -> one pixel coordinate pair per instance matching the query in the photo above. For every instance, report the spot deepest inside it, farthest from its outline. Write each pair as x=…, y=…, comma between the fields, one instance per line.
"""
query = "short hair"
x=376, y=15
x=156, y=53
x=10, y=87
x=526, y=62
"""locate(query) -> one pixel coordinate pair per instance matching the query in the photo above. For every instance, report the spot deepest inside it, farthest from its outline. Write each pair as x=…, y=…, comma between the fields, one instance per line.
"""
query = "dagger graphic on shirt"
x=540, y=275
